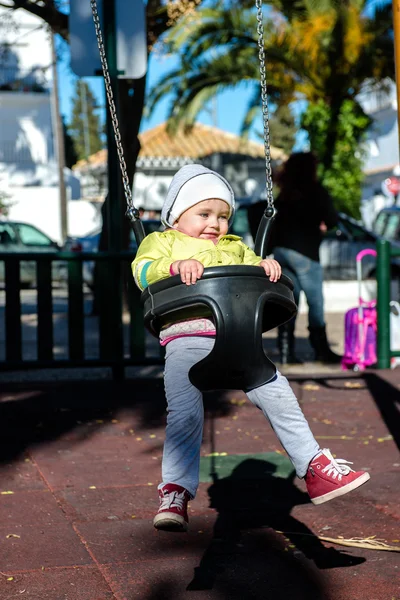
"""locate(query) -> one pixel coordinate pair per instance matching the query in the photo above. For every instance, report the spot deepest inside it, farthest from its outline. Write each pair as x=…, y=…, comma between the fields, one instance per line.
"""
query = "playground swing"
x=241, y=299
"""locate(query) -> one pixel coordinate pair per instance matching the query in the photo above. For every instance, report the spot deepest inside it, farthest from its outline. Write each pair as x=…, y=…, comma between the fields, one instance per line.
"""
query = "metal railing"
x=119, y=344
x=113, y=349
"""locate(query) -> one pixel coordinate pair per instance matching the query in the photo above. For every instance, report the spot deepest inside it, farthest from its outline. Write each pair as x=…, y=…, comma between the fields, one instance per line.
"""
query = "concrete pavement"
x=80, y=462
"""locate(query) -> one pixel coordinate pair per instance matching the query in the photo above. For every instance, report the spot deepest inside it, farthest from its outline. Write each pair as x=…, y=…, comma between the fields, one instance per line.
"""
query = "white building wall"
x=383, y=137
x=28, y=167
x=26, y=129
x=40, y=206
x=383, y=159
x=28, y=38
x=25, y=79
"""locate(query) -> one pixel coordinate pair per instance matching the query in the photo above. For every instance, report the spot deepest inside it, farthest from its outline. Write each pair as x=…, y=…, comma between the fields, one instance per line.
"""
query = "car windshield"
x=387, y=224
x=392, y=226
x=380, y=223
x=30, y=236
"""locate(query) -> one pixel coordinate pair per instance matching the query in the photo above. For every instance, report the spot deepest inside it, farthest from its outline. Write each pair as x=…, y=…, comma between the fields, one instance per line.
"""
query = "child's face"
x=207, y=220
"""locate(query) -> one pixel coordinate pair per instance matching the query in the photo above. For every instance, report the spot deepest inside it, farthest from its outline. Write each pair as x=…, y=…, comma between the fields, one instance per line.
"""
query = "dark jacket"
x=297, y=224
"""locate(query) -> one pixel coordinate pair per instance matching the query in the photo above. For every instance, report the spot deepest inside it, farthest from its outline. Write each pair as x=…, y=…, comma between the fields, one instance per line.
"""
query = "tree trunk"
x=337, y=85
x=331, y=136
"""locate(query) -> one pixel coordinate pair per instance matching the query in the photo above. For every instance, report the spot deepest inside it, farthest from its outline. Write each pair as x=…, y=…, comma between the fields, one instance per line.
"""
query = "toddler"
x=197, y=212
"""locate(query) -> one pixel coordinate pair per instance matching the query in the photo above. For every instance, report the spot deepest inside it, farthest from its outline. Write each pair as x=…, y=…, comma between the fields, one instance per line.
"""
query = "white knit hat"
x=198, y=189
x=193, y=184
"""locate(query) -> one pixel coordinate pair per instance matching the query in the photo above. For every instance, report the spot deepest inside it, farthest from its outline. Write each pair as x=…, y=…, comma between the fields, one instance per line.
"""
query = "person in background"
x=305, y=212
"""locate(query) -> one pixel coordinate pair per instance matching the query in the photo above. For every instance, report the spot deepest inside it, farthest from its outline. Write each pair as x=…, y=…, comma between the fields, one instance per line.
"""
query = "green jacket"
x=159, y=250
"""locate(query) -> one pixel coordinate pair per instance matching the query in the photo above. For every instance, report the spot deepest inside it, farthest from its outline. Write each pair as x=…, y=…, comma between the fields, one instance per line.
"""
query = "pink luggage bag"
x=360, y=328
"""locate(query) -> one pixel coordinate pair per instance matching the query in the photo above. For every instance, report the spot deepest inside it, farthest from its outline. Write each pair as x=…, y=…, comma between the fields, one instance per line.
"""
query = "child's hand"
x=190, y=270
x=271, y=268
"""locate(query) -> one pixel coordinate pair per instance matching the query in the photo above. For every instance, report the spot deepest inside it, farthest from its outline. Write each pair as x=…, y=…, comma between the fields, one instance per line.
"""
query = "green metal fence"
x=385, y=253
x=113, y=269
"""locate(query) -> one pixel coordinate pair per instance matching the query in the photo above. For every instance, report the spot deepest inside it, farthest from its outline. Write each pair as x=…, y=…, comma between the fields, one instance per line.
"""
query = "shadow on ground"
x=385, y=395
x=33, y=414
x=258, y=549
x=246, y=558
x=387, y=399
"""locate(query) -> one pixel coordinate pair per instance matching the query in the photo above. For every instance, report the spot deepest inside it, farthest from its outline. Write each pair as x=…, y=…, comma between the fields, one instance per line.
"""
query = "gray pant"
x=185, y=419
x=307, y=275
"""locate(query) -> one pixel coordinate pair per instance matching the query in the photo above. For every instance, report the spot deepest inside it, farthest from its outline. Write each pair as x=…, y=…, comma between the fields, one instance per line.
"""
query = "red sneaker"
x=172, y=514
x=327, y=478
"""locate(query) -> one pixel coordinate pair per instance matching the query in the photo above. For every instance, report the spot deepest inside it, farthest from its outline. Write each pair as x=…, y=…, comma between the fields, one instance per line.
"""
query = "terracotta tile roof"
x=96, y=159
x=202, y=141
x=381, y=169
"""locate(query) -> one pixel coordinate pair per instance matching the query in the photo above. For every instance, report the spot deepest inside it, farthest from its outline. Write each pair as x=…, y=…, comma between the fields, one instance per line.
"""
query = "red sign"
x=393, y=185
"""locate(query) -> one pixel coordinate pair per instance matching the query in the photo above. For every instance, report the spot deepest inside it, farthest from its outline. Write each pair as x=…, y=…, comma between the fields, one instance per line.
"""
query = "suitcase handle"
x=365, y=252
x=359, y=257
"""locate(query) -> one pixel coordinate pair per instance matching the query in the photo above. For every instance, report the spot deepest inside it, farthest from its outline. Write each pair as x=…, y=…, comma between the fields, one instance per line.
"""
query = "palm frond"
x=212, y=29
x=252, y=112
x=315, y=49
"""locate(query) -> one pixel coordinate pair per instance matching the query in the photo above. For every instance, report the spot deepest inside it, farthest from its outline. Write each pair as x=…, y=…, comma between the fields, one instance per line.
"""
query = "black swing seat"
x=243, y=303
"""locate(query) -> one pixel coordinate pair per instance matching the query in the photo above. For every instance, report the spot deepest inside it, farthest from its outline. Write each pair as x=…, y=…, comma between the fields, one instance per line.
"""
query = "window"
x=380, y=223
x=7, y=234
x=30, y=236
x=392, y=226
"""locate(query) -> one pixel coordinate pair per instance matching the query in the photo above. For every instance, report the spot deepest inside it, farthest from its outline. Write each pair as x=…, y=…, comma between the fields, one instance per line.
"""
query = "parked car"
x=16, y=236
x=387, y=224
x=90, y=243
x=338, y=251
x=339, y=247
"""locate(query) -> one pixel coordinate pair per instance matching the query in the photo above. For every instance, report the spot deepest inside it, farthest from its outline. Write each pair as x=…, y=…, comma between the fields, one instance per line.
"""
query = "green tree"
x=85, y=127
x=71, y=156
x=322, y=50
x=282, y=128
x=344, y=176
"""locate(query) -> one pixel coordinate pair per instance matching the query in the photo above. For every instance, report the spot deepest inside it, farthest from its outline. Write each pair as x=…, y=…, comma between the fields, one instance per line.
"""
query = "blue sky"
x=230, y=105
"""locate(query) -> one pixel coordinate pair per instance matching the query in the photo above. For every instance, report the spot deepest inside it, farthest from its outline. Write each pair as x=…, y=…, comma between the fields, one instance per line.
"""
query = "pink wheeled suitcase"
x=360, y=328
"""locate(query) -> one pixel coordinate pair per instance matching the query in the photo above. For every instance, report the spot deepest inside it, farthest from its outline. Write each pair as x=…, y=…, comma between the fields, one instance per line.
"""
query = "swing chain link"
x=264, y=100
x=131, y=212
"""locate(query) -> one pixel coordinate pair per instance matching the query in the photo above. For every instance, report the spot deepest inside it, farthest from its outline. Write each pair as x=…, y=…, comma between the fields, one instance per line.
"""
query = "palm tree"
x=315, y=49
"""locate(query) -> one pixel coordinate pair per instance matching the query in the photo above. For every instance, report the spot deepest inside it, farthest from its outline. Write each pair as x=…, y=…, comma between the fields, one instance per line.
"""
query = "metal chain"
x=132, y=211
x=114, y=118
x=264, y=100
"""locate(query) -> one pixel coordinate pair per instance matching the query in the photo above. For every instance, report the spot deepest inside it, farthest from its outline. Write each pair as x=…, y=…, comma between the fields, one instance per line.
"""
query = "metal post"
x=85, y=119
x=60, y=147
x=112, y=271
x=396, y=30
x=114, y=177
x=383, y=301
